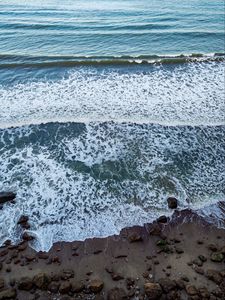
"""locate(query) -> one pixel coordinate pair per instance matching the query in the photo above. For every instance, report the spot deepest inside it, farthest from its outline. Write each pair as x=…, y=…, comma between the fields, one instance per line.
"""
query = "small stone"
x=172, y=202
x=25, y=283
x=96, y=285
x=23, y=219
x=8, y=294
x=202, y=258
x=191, y=290
x=77, y=286
x=162, y=219
x=6, y=196
x=41, y=281
x=212, y=247
x=53, y=287
x=217, y=257
x=27, y=237
x=65, y=287
x=153, y=290
x=179, y=250
x=42, y=255
x=167, y=284
x=135, y=237
x=214, y=276
x=2, y=283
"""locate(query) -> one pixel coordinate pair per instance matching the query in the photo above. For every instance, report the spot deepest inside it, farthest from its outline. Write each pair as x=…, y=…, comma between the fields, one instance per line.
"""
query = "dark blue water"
x=108, y=108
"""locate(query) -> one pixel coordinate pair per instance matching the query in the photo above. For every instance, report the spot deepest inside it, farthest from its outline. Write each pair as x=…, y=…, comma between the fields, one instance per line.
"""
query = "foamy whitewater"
x=133, y=139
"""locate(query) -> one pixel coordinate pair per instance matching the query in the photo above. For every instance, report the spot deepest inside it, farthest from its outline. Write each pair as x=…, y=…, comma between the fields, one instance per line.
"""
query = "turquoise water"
x=108, y=108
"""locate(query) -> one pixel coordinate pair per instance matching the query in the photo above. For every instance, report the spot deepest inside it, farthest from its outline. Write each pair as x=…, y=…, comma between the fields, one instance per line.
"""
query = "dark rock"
x=96, y=285
x=154, y=229
x=30, y=257
x=204, y=293
x=27, y=237
x=117, y=276
x=23, y=219
x=214, y=276
x=167, y=284
x=22, y=246
x=179, y=250
x=67, y=274
x=6, y=196
x=153, y=290
x=198, y=270
x=212, y=247
x=191, y=290
x=2, y=283
x=222, y=250
x=25, y=283
x=180, y=284
x=41, y=281
x=162, y=219
x=53, y=287
x=4, y=252
x=8, y=294
x=202, y=258
x=65, y=287
x=77, y=286
x=217, y=257
x=135, y=237
x=172, y=202
x=42, y=255
x=7, y=242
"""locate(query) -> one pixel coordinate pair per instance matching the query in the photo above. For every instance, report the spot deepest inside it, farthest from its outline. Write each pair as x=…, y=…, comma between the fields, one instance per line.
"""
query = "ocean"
x=108, y=108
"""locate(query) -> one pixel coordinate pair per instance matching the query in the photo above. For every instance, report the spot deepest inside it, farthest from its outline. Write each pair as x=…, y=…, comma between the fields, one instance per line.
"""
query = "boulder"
x=191, y=290
x=217, y=257
x=6, y=196
x=172, y=202
x=25, y=284
x=53, y=287
x=153, y=290
x=41, y=281
x=77, y=286
x=8, y=294
x=167, y=284
x=116, y=294
x=214, y=276
x=65, y=287
x=96, y=285
x=162, y=219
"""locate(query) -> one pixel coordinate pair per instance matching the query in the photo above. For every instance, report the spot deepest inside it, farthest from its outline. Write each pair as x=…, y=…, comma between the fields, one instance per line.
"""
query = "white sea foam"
x=76, y=181
x=188, y=94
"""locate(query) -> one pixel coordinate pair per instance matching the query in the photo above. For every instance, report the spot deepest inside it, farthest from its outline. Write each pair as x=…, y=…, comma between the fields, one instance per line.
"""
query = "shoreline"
x=182, y=257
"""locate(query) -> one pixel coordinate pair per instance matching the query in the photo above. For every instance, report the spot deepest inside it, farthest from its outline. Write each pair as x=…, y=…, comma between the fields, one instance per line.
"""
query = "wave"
x=77, y=181
x=15, y=61
x=189, y=94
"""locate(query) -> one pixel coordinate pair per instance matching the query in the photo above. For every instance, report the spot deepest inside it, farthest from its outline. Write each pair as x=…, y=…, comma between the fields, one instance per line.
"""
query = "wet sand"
x=178, y=258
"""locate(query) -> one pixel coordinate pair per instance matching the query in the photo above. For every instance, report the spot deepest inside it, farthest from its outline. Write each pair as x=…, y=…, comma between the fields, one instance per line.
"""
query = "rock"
x=167, y=284
x=27, y=237
x=65, y=287
x=25, y=284
x=41, y=281
x=96, y=285
x=23, y=219
x=8, y=294
x=117, y=276
x=135, y=237
x=214, y=276
x=53, y=287
x=116, y=294
x=4, y=252
x=6, y=196
x=154, y=229
x=2, y=283
x=67, y=274
x=179, y=250
x=198, y=270
x=204, y=293
x=222, y=250
x=153, y=290
x=212, y=247
x=42, y=255
x=217, y=257
x=202, y=258
x=30, y=257
x=172, y=202
x=191, y=290
x=77, y=286
x=162, y=219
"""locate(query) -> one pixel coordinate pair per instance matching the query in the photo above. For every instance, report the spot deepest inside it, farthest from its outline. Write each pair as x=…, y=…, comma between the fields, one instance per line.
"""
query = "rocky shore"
x=182, y=257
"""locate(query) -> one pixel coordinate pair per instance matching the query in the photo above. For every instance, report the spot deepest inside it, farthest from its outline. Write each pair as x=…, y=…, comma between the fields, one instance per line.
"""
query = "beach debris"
x=172, y=202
